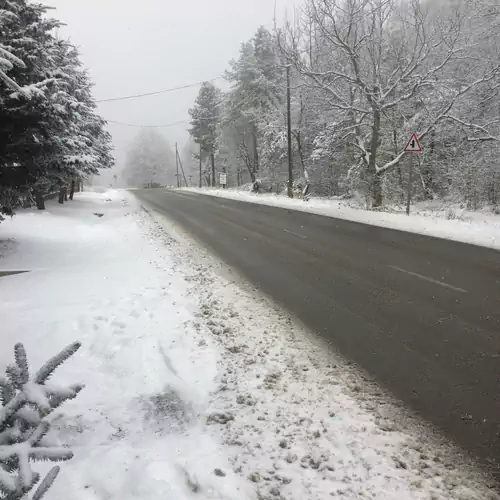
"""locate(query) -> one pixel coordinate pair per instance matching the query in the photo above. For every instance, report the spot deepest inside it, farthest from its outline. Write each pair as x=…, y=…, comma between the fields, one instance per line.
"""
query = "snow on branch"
x=7, y=63
x=25, y=403
x=487, y=136
x=6, y=55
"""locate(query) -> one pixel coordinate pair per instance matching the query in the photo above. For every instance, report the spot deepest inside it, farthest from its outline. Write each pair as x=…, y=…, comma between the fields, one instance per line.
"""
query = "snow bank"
x=138, y=428
x=431, y=218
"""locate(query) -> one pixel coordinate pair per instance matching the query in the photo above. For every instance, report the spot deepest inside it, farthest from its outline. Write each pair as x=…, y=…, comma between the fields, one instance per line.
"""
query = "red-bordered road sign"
x=413, y=145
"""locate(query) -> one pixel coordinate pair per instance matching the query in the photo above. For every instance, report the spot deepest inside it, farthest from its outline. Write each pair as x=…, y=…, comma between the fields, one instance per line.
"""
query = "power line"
x=234, y=108
x=164, y=91
x=146, y=126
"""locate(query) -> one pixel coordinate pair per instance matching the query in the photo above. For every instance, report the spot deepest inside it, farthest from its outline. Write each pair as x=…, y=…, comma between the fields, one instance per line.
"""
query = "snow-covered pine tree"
x=26, y=401
x=205, y=121
x=26, y=117
x=49, y=130
x=81, y=145
x=255, y=101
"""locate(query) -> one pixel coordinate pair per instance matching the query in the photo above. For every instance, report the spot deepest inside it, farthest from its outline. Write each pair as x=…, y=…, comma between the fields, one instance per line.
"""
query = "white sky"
x=138, y=46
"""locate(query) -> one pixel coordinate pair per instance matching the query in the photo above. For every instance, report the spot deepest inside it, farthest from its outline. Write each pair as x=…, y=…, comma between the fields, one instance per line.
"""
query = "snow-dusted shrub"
x=453, y=214
x=25, y=403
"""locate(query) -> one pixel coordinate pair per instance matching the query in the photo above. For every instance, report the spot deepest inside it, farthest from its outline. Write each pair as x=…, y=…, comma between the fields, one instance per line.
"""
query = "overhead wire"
x=156, y=92
x=173, y=124
x=146, y=126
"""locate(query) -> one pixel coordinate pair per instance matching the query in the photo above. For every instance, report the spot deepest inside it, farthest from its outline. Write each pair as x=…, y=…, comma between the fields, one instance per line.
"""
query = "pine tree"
x=24, y=115
x=255, y=99
x=205, y=118
x=26, y=401
x=49, y=131
x=81, y=145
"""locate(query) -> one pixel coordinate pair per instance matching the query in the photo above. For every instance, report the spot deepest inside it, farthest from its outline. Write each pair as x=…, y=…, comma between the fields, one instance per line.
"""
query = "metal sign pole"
x=412, y=146
x=410, y=182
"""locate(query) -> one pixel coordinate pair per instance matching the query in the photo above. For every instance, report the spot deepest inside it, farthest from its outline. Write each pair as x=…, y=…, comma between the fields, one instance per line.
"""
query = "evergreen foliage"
x=25, y=404
x=50, y=132
x=205, y=120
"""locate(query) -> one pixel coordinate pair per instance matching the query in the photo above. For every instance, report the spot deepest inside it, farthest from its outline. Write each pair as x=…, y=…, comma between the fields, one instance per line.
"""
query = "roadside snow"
x=197, y=386
x=137, y=429
x=430, y=218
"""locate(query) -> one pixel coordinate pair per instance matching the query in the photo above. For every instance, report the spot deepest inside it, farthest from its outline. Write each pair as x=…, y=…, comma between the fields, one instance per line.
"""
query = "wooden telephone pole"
x=201, y=180
x=177, y=167
x=179, y=164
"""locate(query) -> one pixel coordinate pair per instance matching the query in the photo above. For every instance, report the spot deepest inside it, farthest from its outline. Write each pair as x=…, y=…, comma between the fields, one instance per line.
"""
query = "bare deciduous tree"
x=384, y=66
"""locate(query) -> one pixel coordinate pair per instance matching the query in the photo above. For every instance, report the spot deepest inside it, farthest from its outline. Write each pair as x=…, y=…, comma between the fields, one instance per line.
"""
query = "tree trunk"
x=256, y=165
x=427, y=174
x=376, y=191
x=253, y=177
x=72, y=189
x=492, y=190
x=40, y=200
x=298, y=139
x=212, y=159
x=62, y=194
x=375, y=178
x=428, y=182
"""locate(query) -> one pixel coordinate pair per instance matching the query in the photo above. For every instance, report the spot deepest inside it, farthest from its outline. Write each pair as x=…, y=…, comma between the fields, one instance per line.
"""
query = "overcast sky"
x=138, y=46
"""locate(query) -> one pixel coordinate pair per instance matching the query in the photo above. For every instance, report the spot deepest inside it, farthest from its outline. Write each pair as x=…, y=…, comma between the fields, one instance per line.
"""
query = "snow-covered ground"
x=197, y=386
x=438, y=219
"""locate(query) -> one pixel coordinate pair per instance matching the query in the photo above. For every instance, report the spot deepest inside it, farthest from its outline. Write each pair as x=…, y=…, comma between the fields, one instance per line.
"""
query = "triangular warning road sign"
x=413, y=145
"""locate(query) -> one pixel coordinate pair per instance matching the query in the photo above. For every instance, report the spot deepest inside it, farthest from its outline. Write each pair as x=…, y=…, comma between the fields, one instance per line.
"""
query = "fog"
x=140, y=46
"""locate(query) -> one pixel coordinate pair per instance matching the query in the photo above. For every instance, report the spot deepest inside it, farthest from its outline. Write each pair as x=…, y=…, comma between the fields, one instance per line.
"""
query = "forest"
x=364, y=75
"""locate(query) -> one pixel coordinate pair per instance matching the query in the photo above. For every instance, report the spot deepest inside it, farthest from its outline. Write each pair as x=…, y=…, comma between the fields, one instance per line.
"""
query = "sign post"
x=413, y=146
x=223, y=179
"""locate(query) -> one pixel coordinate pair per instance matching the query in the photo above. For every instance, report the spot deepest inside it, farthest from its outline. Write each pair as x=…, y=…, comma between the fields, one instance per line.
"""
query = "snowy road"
x=422, y=315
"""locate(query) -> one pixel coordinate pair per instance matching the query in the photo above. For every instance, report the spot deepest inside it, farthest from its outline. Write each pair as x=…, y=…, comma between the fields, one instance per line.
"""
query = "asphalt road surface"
x=420, y=314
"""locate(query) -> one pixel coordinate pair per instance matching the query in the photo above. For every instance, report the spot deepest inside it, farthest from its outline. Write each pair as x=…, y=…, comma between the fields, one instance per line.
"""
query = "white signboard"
x=223, y=179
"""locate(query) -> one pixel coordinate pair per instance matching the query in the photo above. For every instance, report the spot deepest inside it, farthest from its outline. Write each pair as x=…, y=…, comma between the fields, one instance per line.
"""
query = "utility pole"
x=201, y=181
x=289, y=133
x=212, y=159
x=177, y=166
x=182, y=168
